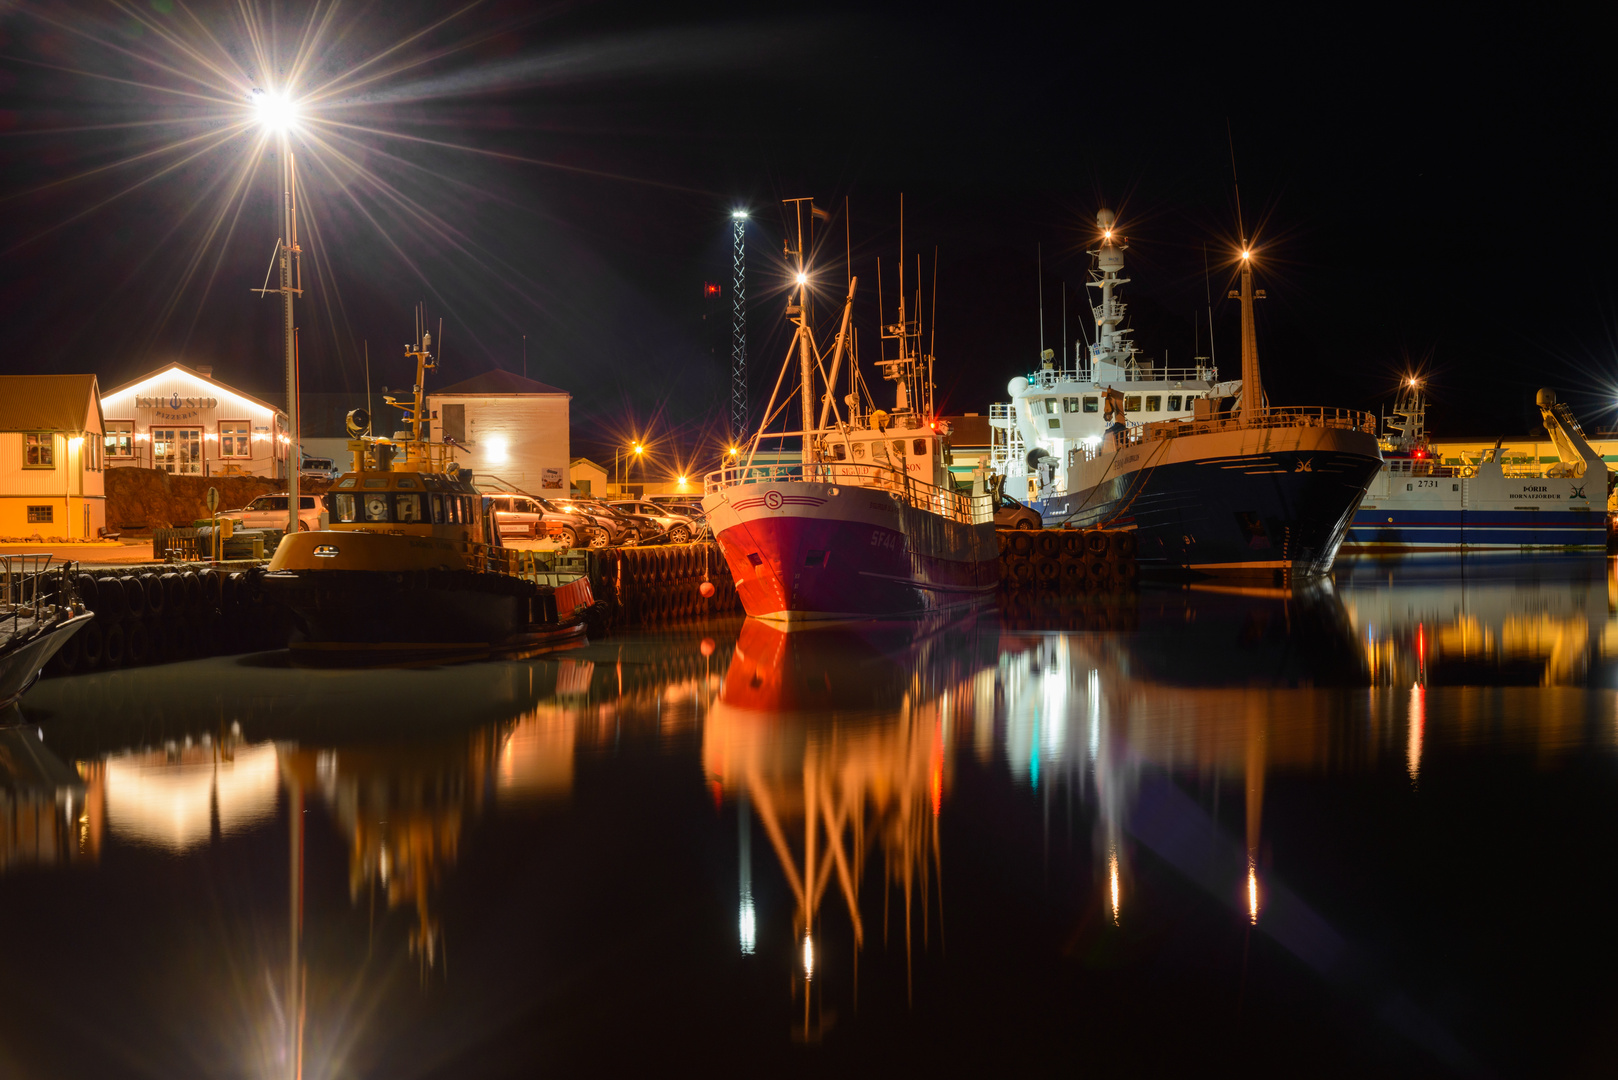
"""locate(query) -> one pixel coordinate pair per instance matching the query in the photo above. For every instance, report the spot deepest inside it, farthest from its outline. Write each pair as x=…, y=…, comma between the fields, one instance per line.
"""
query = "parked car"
x=572, y=526
x=620, y=528
x=270, y=512
x=1011, y=514
x=518, y=515
x=677, y=526
x=647, y=529
x=320, y=468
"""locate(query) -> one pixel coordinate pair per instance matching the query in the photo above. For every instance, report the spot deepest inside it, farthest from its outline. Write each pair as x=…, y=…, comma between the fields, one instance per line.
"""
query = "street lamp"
x=277, y=114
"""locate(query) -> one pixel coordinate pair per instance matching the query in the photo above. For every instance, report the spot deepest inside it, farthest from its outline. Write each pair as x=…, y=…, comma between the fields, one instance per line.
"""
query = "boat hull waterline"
x=804, y=552
x=1229, y=503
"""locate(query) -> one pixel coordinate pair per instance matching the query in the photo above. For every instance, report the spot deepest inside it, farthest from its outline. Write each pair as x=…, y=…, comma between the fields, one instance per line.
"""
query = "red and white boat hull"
x=802, y=551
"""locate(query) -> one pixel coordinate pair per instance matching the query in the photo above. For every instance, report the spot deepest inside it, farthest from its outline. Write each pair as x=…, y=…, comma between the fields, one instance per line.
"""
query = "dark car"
x=678, y=525
x=620, y=528
x=647, y=529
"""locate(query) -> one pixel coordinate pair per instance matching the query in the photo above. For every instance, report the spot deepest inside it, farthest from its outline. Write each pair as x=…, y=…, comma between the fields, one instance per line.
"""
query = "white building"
x=179, y=420
x=514, y=430
x=51, y=482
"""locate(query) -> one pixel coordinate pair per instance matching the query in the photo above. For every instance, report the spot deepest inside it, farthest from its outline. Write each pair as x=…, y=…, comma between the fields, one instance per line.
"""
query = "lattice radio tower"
x=738, y=327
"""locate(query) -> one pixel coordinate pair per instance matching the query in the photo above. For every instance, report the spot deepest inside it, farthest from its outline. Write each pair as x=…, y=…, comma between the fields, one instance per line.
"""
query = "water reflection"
x=839, y=739
x=1114, y=777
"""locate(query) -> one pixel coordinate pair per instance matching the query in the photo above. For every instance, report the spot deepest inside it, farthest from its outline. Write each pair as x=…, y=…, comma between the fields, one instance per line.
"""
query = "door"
x=177, y=450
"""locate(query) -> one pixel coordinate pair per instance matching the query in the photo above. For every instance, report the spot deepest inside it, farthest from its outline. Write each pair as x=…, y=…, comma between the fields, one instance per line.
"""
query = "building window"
x=1174, y=403
x=39, y=515
x=1092, y=404
x=1154, y=403
x=234, y=439
x=39, y=450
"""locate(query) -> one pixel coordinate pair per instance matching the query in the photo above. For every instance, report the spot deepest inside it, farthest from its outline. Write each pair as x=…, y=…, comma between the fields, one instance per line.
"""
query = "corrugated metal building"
x=51, y=457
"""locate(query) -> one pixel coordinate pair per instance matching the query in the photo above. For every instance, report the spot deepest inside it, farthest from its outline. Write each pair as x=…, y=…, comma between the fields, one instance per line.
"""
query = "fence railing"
x=921, y=494
x=1280, y=417
x=1051, y=378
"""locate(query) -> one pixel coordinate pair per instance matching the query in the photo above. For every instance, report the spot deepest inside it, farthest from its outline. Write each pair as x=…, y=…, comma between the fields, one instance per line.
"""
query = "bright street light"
x=275, y=111
x=803, y=279
x=738, y=215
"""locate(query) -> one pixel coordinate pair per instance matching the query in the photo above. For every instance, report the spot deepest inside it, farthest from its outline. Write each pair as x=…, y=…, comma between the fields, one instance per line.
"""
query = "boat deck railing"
x=1290, y=416
x=1051, y=378
x=26, y=585
x=897, y=484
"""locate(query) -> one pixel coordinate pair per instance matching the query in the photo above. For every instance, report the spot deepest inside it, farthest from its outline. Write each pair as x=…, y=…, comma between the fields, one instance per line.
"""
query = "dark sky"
x=1425, y=192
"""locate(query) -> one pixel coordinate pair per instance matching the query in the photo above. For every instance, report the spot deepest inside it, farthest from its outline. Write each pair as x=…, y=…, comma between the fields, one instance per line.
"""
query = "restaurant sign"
x=176, y=402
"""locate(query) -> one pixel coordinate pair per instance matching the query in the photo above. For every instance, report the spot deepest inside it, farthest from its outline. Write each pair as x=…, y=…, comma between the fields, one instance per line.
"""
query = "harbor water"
x=1356, y=828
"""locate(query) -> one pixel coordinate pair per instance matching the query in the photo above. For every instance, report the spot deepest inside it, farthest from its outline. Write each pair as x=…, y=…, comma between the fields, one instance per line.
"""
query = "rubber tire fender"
x=112, y=647
x=134, y=595
x=93, y=642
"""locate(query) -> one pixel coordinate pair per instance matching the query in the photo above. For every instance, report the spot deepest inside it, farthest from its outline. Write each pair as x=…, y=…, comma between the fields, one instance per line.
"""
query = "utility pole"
x=291, y=286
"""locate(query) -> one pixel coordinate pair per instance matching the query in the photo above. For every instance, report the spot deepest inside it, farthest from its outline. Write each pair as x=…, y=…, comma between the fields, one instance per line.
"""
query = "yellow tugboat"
x=411, y=568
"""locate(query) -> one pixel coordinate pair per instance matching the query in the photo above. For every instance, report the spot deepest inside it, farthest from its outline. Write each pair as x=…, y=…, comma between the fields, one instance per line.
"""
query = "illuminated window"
x=1050, y=405
x=234, y=439
x=1092, y=404
x=1154, y=403
x=1132, y=403
x=1174, y=403
x=344, y=507
x=120, y=438
x=1070, y=404
x=39, y=450
x=39, y=515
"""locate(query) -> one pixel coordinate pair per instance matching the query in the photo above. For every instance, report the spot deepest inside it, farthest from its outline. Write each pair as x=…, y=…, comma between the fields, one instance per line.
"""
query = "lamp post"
x=276, y=112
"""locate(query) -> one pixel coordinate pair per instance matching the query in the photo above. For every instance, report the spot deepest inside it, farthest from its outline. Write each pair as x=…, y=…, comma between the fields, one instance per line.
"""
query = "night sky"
x=1424, y=193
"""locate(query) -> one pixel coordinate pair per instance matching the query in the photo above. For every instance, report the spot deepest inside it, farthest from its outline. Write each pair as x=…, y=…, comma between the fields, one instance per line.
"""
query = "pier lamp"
x=278, y=115
x=738, y=215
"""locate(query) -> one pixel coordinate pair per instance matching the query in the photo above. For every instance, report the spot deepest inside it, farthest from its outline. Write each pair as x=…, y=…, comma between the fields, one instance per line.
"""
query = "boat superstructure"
x=1417, y=503
x=412, y=565
x=1209, y=475
x=870, y=522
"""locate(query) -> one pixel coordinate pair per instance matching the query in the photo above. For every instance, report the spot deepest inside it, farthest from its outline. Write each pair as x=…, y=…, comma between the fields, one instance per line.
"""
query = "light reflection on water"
x=830, y=764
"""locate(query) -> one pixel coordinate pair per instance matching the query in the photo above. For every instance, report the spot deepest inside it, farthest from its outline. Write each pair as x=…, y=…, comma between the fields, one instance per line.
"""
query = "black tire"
x=303, y=526
x=154, y=595
x=112, y=599
x=599, y=539
x=569, y=538
x=157, y=643
x=137, y=645
x=91, y=644
x=1025, y=523
x=89, y=591
x=134, y=595
x=70, y=657
x=173, y=593
x=193, y=591
x=112, y=646
x=680, y=534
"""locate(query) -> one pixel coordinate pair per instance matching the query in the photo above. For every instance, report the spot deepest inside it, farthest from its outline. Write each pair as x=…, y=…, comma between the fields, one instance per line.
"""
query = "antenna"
x=368, y=409
x=1064, y=323
x=1039, y=270
x=1234, y=182
x=525, y=356
x=1213, y=355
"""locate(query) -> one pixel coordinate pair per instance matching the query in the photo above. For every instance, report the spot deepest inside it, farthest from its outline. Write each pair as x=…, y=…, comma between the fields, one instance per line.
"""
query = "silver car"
x=270, y=512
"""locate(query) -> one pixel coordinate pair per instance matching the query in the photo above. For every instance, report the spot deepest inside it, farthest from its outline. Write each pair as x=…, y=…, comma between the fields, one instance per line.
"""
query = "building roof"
x=586, y=461
x=496, y=382
x=194, y=373
x=47, y=402
x=969, y=431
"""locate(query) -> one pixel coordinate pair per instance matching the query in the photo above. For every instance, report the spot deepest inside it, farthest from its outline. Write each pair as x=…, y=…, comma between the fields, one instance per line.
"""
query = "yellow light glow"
x=734, y=451
x=1115, y=888
x=638, y=448
x=808, y=957
x=1245, y=254
x=803, y=279
x=682, y=480
x=75, y=442
x=494, y=450
x=1415, y=382
x=1107, y=235
x=1252, y=894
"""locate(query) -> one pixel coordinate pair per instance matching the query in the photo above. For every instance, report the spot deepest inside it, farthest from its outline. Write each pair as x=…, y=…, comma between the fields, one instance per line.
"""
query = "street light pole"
x=291, y=279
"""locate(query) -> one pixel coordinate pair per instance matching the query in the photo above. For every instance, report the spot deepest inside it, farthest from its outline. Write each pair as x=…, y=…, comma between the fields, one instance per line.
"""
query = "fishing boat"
x=1211, y=477
x=38, y=614
x=869, y=522
x=412, y=567
x=1419, y=503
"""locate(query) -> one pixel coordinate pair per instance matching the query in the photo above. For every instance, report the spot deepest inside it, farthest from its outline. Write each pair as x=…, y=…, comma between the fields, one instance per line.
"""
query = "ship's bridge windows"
x=1070, y=404
x=378, y=482
x=1174, y=403
x=859, y=451
x=918, y=447
x=375, y=506
x=1092, y=404
x=406, y=481
x=438, y=509
x=1132, y=403
x=346, y=482
x=1154, y=403
x=1050, y=405
x=839, y=451
x=407, y=509
x=343, y=508
x=1054, y=424
x=899, y=447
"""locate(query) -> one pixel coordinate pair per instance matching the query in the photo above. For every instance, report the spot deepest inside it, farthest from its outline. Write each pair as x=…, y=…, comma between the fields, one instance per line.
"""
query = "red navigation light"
x=710, y=289
x=1418, y=453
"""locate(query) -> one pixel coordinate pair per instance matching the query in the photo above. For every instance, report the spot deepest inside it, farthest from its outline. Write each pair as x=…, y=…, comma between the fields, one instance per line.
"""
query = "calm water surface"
x=1361, y=828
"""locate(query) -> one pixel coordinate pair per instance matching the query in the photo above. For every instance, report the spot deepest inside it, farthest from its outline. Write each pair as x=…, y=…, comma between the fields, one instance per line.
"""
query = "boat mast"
x=1252, y=384
x=800, y=314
